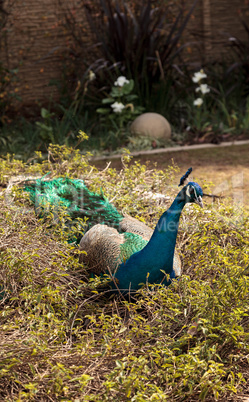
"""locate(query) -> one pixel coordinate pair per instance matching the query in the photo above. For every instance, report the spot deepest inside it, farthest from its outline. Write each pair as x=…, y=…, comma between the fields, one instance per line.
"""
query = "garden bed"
x=63, y=339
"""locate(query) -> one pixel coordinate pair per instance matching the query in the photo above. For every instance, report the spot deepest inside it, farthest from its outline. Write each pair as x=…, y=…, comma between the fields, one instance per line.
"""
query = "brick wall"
x=36, y=42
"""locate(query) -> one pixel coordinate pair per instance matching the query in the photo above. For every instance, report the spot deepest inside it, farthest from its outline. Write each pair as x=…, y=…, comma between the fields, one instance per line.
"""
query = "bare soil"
x=226, y=167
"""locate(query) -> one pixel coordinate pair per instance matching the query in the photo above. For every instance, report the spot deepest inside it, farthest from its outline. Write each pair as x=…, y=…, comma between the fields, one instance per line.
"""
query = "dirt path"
x=227, y=168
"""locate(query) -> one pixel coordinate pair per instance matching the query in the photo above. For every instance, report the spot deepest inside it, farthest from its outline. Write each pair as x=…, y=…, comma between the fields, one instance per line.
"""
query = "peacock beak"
x=198, y=201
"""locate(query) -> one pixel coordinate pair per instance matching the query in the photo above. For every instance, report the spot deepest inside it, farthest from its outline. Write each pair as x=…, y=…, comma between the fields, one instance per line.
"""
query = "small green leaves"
x=65, y=338
x=121, y=110
x=108, y=100
x=103, y=111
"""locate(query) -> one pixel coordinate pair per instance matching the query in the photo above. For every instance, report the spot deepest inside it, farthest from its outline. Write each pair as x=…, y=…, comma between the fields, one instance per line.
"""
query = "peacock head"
x=193, y=193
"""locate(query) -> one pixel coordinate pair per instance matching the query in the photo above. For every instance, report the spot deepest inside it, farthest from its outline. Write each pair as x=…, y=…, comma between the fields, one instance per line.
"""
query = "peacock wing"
x=133, y=225
x=102, y=249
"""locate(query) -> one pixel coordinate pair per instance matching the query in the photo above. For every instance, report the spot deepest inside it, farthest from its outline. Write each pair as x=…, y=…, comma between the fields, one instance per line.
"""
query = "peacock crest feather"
x=185, y=177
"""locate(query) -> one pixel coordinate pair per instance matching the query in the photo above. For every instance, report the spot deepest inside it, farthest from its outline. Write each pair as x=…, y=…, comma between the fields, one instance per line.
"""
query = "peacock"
x=118, y=245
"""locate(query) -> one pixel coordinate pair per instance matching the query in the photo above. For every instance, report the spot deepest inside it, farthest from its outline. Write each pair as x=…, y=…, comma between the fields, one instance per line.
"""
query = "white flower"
x=198, y=102
x=232, y=39
x=204, y=88
x=121, y=81
x=117, y=107
x=199, y=76
x=91, y=75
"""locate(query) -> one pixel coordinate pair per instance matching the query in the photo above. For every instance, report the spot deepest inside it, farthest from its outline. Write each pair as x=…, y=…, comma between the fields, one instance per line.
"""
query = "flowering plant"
x=203, y=88
x=121, y=108
x=198, y=76
x=199, y=119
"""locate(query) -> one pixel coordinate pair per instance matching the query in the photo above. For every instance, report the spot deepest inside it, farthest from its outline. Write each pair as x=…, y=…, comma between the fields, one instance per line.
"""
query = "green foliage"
x=46, y=129
x=23, y=137
x=60, y=130
x=222, y=113
x=122, y=110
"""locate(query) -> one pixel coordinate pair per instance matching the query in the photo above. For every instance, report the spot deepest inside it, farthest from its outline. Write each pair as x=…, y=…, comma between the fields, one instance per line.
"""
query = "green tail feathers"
x=74, y=196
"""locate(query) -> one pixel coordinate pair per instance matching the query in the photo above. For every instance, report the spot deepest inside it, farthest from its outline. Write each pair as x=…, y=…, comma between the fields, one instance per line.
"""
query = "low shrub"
x=62, y=338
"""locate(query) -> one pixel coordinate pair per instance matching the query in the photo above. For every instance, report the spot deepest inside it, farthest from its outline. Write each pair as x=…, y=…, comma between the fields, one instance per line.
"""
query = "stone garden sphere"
x=152, y=125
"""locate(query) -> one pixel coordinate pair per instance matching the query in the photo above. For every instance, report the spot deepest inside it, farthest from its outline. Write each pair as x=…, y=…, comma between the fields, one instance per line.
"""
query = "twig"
x=95, y=296
x=115, y=283
x=107, y=167
x=213, y=195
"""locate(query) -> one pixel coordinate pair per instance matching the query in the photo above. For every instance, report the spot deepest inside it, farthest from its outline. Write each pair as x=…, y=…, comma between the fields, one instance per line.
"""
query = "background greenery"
x=145, y=44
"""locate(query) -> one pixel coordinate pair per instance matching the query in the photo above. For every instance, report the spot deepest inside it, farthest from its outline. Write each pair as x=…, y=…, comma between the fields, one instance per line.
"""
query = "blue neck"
x=157, y=255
